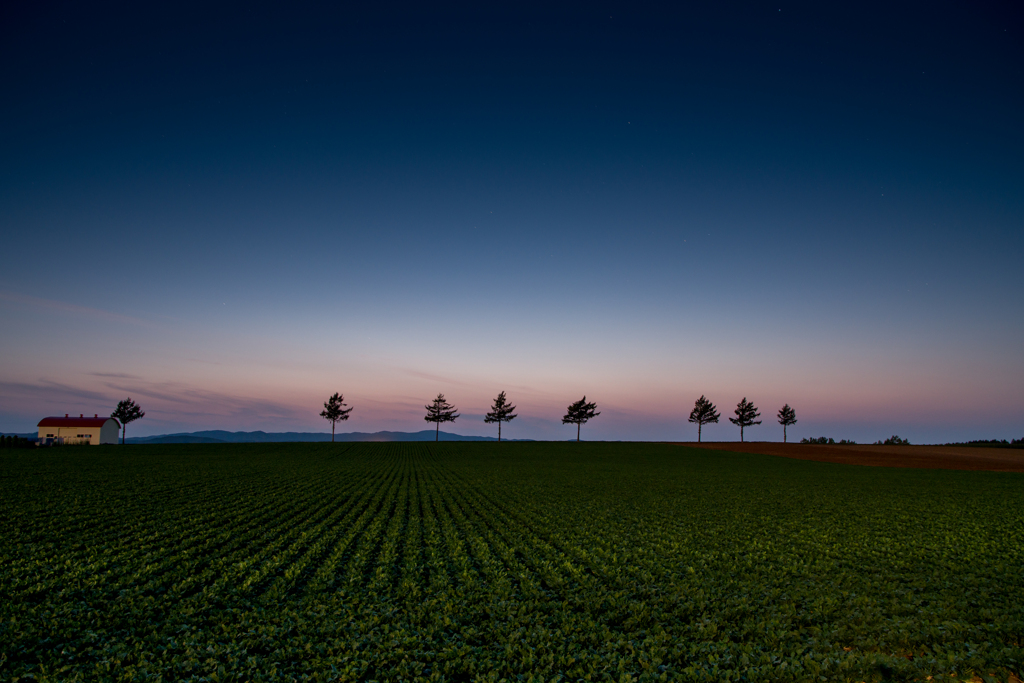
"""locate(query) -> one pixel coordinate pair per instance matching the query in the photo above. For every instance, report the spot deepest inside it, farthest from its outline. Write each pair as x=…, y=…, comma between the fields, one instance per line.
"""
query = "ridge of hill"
x=221, y=436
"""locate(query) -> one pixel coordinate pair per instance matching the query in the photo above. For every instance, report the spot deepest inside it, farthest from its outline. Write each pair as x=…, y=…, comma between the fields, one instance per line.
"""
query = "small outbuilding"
x=93, y=430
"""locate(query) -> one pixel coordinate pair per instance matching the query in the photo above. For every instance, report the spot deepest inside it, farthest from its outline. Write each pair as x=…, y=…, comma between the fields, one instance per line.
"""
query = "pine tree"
x=703, y=413
x=579, y=413
x=334, y=410
x=501, y=411
x=787, y=417
x=125, y=412
x=745, y=414
x=440, y=411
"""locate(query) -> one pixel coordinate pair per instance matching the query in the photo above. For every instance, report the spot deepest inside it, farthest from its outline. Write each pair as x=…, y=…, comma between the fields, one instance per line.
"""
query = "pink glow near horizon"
x=294, y=406
x=210, y=378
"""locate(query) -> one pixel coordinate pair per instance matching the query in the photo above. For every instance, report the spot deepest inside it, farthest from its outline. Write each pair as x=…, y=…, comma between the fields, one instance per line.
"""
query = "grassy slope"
x=459, y=559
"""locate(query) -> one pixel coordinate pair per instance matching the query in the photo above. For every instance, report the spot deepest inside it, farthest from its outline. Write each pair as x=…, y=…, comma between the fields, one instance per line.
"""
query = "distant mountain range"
x=220, y=436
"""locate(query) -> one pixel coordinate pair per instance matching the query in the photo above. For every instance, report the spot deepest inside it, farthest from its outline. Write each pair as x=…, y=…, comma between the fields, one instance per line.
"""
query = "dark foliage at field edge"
x=992, y=443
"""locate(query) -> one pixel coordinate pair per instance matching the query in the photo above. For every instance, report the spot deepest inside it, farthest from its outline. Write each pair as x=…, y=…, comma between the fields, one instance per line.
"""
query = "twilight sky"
x=230, y=214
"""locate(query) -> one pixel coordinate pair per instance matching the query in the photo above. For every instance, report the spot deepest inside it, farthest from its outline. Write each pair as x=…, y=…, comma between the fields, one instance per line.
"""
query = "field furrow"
x=518, y=561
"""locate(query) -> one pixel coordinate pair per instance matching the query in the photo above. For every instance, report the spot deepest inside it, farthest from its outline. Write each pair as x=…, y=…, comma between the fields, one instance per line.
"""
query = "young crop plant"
x=419, y=561
x=745, y=414
x=703, y=413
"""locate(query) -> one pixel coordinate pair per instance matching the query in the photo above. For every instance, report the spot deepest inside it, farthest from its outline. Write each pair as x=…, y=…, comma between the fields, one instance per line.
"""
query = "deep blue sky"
x=232, y=213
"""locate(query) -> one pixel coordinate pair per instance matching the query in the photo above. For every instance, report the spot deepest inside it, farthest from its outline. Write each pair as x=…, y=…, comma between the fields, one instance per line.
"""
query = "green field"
x=483, y=561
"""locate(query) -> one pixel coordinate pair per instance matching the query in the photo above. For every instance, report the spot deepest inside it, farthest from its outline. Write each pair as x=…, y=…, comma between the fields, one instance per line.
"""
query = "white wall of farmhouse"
x=93, y=431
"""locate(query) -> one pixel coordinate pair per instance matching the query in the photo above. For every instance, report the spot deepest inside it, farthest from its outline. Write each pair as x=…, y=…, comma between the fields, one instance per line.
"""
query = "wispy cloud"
x=438, y=378
x=71, y=309
x=164, y=402
x=187, y=401
x=475, y=384
x=47, y=392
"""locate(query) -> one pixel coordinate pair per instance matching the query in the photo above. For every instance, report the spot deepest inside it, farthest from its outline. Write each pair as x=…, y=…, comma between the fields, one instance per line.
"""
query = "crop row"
x=455, y=561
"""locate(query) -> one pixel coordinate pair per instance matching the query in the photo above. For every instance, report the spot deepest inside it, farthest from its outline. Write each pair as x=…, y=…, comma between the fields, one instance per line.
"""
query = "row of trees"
x=438, y=411
x=704, y=412
x=15, y=441
x=578, y=413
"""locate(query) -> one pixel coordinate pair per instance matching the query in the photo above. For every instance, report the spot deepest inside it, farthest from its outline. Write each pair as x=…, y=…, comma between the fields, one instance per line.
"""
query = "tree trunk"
x=783, y=433
x=699, y=425
x=332, y=432
x=437, y=430
x=577, y=432
x=124, y=428
x=499, y=431
x=741, y=433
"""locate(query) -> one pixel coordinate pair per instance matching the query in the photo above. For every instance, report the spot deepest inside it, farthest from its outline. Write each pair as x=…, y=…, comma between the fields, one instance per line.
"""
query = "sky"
x=230, y=212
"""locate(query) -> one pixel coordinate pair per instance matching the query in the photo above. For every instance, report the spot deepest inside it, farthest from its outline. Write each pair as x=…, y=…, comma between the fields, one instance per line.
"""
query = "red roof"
x=79, y=421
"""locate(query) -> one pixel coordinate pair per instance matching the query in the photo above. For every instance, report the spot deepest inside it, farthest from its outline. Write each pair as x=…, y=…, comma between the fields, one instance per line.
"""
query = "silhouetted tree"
x=501, y=411
x=745, y=414
x=703, y=413
x=125, y=412
x=335, y=411
x=579, y=413
x=787, y=417
x=440, y=411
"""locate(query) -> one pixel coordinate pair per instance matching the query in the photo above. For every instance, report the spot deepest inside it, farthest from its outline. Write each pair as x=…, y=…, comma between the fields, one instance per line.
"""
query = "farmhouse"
x=93, y=430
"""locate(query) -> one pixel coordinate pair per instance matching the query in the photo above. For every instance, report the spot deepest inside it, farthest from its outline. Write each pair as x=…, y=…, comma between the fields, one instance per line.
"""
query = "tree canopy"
x=579, y=413
x=703, y=413
x=440, y=411
x=787, y=417
x=745, y=414
x=125, y=412
x=500, y=412
x=335, y=411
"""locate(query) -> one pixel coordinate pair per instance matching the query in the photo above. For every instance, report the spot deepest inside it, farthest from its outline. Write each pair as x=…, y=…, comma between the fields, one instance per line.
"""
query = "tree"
x=703, y=413
x=334, y=410
x=579, y=413
x=125, y=412
x=787, y=417
x=745, y=414
x=501, y=411
x=440, y=411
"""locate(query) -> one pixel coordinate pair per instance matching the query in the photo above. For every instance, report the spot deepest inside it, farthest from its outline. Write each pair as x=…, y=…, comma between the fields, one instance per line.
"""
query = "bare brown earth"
x=925, y=457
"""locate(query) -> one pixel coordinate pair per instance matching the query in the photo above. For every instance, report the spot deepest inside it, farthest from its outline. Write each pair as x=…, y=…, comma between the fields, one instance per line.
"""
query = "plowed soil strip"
x=922, y=457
